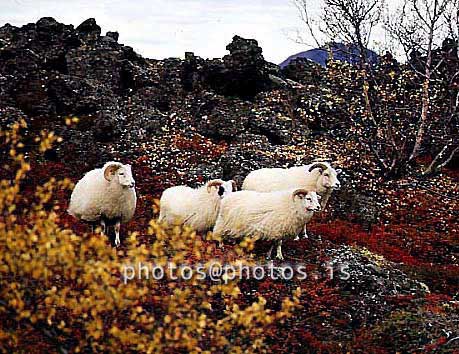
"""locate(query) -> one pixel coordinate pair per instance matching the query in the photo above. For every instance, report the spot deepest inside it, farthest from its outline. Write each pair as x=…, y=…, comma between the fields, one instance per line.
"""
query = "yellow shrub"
x=64, y=292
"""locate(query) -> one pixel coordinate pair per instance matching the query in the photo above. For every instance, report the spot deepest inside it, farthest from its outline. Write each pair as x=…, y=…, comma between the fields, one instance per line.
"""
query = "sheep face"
x=121, y=174
x=328, y=175
x=307, y=200
x=330, y=178
x=125, y=177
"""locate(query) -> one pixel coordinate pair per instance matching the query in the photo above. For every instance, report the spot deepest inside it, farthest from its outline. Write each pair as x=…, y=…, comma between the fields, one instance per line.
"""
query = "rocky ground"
x=187, y=121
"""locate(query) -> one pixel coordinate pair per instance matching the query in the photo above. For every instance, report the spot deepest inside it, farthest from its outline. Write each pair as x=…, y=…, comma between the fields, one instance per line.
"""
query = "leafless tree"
x=312, y=26
x=347, y=21
x=351, y=22
x=418, y=26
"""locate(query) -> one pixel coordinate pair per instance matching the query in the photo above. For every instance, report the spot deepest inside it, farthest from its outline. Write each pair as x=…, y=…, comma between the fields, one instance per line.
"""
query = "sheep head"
x=309, y=199
x=115, y=171
x=328, y=178
x=223, y=187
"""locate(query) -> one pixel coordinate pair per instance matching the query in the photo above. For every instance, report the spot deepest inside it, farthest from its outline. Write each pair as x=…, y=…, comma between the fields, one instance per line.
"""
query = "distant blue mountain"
x=342, y=52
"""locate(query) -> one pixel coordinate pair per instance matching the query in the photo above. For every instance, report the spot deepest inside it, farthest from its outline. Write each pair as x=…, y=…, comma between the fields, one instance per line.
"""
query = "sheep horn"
x=300, y=191
x=110, y=170
x=214, y=183
x=234, y=185
x=318, y=165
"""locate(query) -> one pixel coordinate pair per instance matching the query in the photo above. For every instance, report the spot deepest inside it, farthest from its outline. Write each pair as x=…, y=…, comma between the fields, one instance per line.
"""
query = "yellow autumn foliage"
x=64, y=292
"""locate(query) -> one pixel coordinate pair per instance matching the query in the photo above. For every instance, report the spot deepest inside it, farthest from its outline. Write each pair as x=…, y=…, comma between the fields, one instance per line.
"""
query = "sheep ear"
x=110, y=171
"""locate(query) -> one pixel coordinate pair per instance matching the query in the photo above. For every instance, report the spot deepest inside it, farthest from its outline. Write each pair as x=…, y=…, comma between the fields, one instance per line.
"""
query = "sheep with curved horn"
x=105, y=195
x=271, y=216
x=319, y=176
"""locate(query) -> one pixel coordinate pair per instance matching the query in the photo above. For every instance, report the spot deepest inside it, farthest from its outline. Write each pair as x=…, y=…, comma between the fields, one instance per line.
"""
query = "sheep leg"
x=305, y=233
x=268, y=256
x=279, y=251
x=104, y=227
x=117, y=233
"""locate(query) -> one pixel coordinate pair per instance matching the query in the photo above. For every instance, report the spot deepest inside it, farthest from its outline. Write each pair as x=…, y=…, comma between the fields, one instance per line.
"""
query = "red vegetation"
x=203, y=147
x=422, y=237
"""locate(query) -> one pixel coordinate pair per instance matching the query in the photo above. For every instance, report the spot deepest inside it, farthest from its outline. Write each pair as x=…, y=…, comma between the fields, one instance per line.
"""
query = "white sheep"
x=318, y=176
x=105, y=195
x=196, y=208
x=266, y=215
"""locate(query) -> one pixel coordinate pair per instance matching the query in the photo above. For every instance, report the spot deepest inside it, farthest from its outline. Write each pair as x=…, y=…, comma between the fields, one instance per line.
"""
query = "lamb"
x=318, y=176
x=196, y=208
x=266, y=215
x=105, y=195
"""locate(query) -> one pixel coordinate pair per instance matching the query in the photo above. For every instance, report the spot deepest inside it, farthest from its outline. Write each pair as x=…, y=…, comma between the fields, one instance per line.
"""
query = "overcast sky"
x=159, y=29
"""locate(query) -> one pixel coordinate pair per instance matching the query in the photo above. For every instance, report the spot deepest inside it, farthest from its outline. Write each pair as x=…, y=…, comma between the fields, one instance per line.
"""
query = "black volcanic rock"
x=46, y=70
x=245, y=156
x=304, y=71
x=74, y=95
x=243, y=73
x=31, y=96
x=89, y=30
x=107, y=126
x=5, y=88
x=372, y=279
x=134, y=77
x=130, y=54
x=191, y=77
x=51, y=70
x=98, y=63
x=220, y=118
x=19, y=62
x=6, y=32
x=274, y=117
x=113, y=35
x=47, y=27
